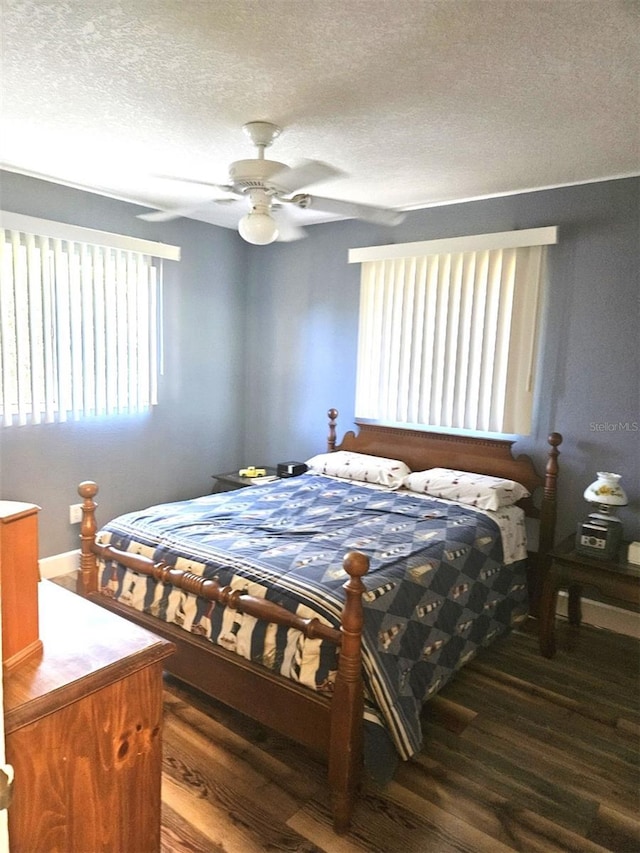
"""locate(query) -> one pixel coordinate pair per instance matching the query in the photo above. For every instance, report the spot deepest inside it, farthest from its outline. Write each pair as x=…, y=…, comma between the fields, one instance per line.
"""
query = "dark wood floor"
x=521, y=753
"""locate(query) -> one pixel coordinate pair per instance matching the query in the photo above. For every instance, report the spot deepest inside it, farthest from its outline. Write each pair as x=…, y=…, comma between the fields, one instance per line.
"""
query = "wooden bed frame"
x=331, y=727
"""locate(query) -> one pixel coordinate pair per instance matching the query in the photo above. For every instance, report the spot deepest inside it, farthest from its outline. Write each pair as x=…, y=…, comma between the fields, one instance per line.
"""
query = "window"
x=448, y=331
x=80, y=321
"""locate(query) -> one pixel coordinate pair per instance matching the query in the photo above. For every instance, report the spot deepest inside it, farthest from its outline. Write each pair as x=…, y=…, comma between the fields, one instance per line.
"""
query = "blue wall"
x=303, y=313
x=260, y=342
x=172, y=452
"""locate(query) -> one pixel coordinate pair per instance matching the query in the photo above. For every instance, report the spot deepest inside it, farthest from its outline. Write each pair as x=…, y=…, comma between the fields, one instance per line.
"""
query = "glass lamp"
x=601, y=534
x=258, y=226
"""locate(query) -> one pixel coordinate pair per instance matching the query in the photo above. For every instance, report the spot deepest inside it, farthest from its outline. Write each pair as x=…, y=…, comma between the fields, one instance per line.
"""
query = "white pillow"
x=360, y=466
x=479, y=490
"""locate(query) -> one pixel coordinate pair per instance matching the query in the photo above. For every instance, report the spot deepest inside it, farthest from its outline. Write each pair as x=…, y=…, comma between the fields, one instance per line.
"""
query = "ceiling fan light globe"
x=258, y=228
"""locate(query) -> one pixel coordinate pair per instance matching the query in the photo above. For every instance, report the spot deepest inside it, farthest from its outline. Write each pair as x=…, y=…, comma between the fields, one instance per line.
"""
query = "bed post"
x=549, y=500
x=88, y=577
x=331, y=438
x=347, y=704
x=548, y=513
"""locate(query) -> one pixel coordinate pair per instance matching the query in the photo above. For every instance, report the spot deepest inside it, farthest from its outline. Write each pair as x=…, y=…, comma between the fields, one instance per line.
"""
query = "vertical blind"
x=448, y=331
x=80, y=328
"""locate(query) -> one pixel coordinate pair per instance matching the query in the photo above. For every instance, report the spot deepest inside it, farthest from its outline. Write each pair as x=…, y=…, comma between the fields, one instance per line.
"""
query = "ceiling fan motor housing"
x=256, y=174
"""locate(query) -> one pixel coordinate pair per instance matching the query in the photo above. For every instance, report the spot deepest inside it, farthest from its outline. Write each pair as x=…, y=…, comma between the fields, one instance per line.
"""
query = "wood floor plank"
x=521, y=753
x=179, y=835
x=577, y=722
x=384, y=825
x=574, y=764
x=451, y=714
x=518, y=654
x=581, y=737
x=235, y=791
x=616, y=830
x=507, y=827
x=210, y=820
x=320, y=833
x=228, y=748
x=520, y=783
x=223, y=723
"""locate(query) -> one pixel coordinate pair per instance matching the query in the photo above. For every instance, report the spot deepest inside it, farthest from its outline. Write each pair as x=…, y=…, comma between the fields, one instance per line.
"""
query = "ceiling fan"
x=270, y=186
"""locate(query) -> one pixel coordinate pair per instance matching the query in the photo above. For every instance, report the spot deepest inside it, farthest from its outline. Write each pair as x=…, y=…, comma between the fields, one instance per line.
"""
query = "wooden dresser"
x=83, y=724
x=19, y=582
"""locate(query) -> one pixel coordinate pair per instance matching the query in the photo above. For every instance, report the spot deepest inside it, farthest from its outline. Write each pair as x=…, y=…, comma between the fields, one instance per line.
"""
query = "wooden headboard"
x=422, y=449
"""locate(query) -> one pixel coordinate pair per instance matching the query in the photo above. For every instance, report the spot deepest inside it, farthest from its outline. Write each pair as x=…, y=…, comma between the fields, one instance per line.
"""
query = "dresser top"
x=9, y=510
x=85, y=647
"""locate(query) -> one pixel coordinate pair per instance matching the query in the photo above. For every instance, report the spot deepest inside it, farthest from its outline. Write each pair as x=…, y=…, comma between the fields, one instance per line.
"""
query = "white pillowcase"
x=360, y=466
x=478, y=490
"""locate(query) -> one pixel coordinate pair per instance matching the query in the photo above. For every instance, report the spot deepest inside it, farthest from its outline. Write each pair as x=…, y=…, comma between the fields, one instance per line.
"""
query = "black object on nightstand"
x=232, y=480
x=616, y=579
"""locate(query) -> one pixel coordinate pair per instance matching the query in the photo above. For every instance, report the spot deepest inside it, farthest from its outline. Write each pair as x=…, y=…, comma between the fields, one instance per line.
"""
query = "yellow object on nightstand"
x=252, y=472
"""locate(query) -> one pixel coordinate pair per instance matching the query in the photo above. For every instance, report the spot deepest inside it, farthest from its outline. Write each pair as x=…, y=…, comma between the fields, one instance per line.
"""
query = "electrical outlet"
x=75, y=513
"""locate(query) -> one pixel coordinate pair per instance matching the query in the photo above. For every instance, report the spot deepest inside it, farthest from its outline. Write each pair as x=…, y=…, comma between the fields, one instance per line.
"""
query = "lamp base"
x=599, y=536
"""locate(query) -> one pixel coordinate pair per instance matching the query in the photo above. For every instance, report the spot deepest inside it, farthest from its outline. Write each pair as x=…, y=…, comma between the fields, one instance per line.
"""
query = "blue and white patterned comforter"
x=437, y=590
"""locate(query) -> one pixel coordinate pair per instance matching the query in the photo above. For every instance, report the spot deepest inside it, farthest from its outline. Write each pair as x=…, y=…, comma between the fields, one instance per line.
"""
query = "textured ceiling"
x=416, y=102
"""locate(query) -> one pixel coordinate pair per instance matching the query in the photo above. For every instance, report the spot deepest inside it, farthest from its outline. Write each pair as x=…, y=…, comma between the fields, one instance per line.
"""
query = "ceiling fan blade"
x=167, y=215
x=288, y=230
x=177, y=212
x=304, y=174
x=225, y=188
x=352, y=210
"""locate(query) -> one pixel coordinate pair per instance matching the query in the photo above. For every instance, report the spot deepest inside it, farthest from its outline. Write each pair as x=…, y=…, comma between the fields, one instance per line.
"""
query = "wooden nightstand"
x=618, y=582
x=232, y=480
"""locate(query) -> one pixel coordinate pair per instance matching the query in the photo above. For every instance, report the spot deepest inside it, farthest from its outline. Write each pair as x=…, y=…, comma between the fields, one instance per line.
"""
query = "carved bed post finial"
x=549, y=500
x=331, y=439
x=551, y=471
x=88, y=578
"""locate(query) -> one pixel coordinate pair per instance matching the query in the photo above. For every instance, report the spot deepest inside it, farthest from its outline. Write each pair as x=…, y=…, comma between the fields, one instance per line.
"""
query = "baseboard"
x=603, y=615
x=59, y=564
x=593, y=612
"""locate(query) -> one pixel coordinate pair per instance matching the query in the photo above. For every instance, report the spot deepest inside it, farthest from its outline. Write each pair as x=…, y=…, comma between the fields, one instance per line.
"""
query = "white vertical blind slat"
x=414, y=370
x=408, y=288
x=524, y=338
x=75, y=332
x=48, y=331
x=155, y=332
x=36, y=329
x=428, y=338
x=111, y=335
x=63, y=336
x=3, y=320
x=489, y=337
x=99, y=328
x=501, y=351
x=88, y=330
x=451, y=339
x=7, y=363
x=464, y=337
x=19, y=346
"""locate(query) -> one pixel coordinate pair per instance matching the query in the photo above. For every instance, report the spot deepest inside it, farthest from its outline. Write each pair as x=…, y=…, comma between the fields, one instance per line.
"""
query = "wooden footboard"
x=337, y=734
